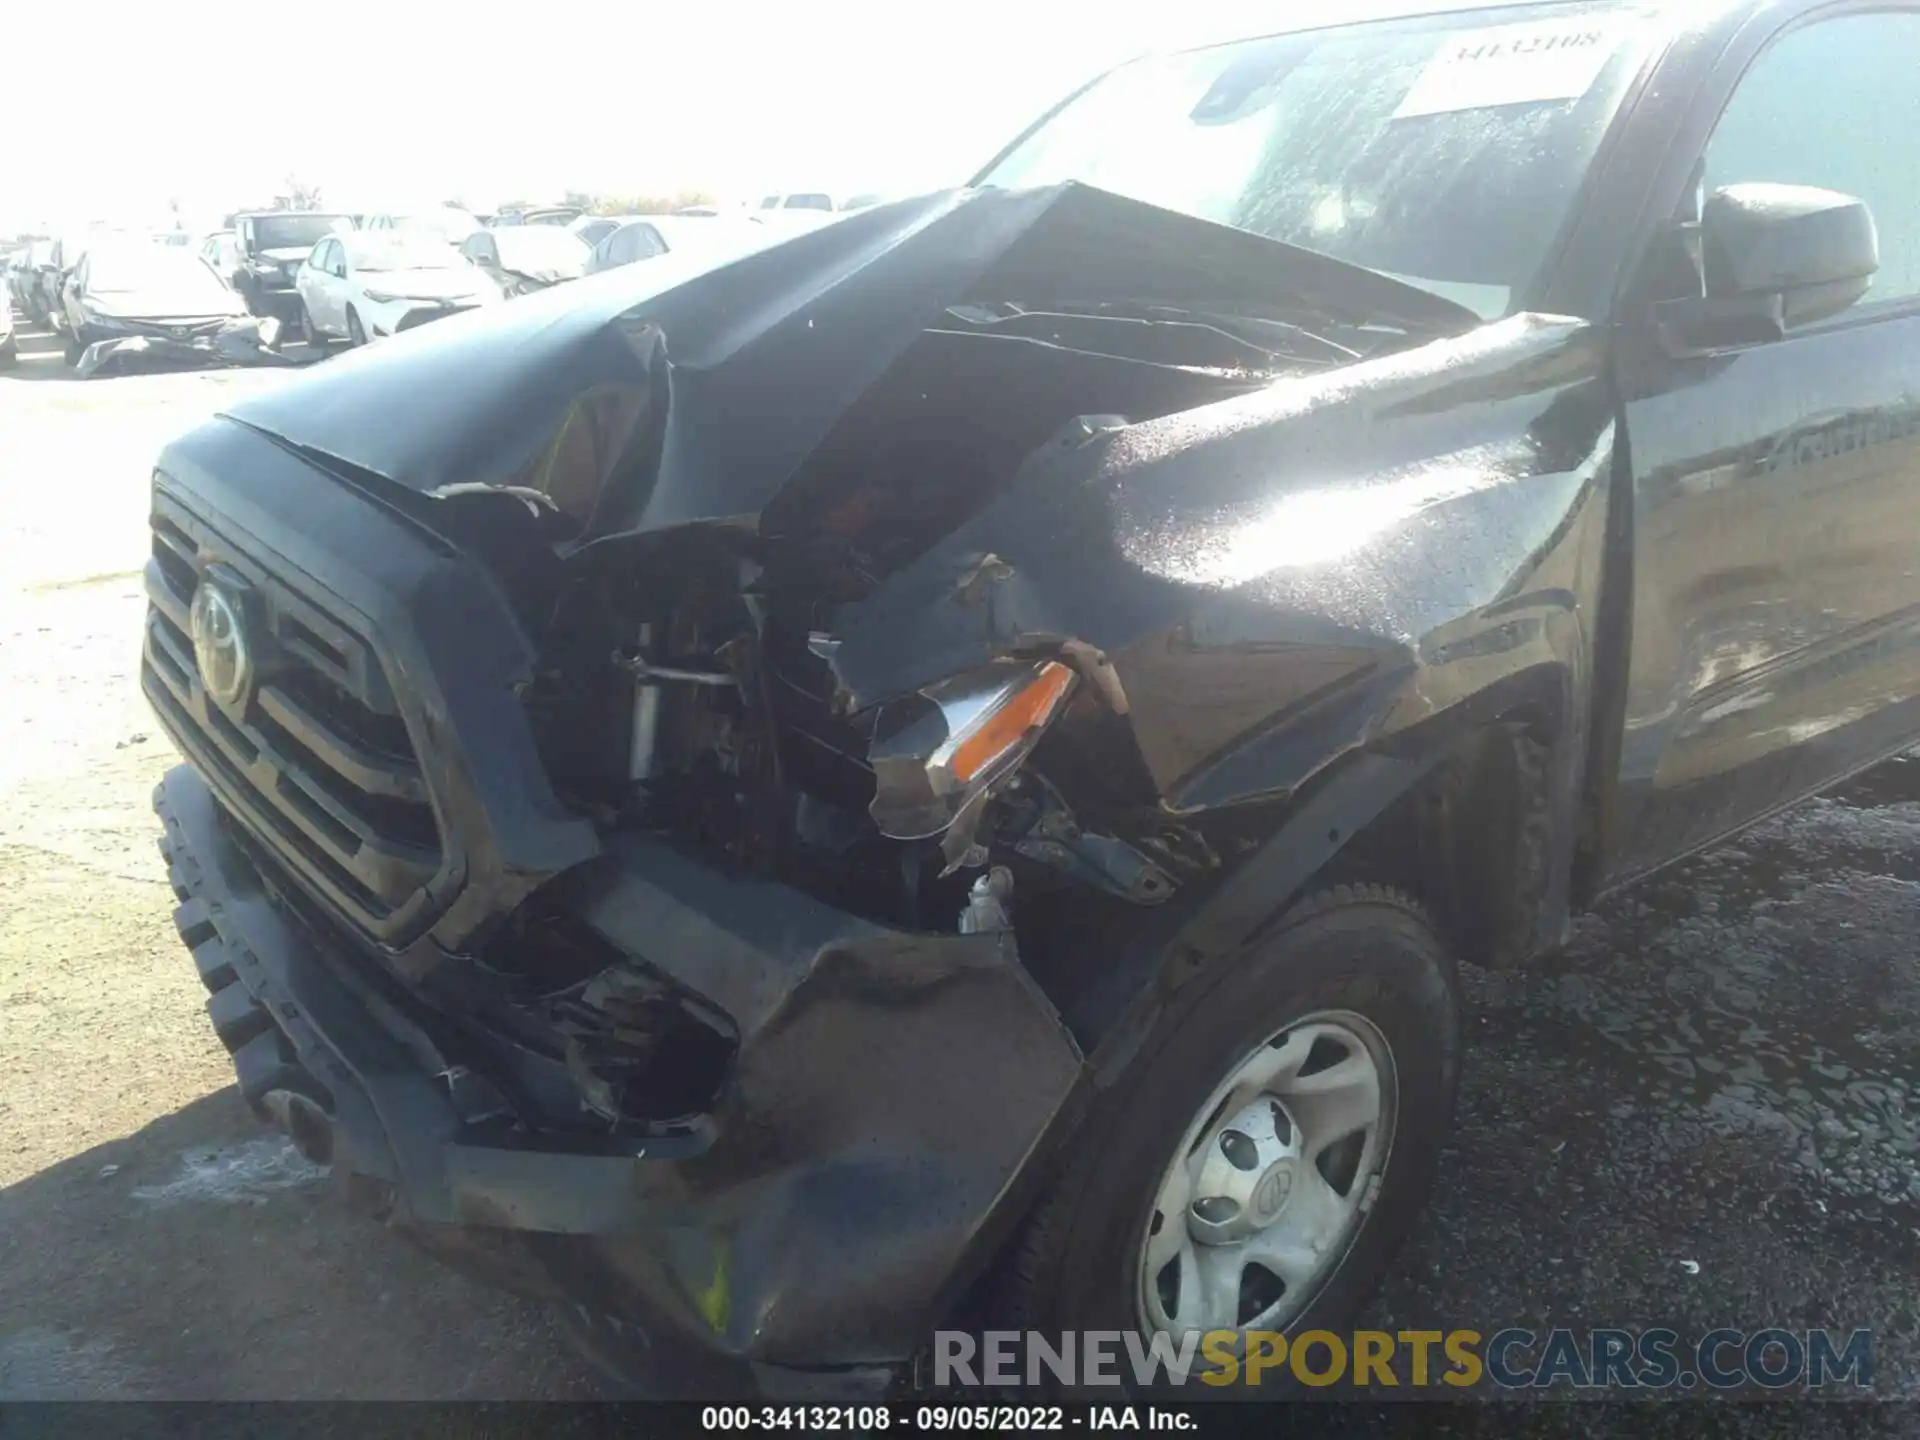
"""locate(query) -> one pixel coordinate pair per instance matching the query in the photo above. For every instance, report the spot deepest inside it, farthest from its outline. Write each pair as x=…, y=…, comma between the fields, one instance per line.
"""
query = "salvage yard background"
x=1702, y=1114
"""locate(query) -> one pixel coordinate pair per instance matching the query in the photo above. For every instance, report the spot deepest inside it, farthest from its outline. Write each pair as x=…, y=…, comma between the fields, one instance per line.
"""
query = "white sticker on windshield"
x=1510, y=65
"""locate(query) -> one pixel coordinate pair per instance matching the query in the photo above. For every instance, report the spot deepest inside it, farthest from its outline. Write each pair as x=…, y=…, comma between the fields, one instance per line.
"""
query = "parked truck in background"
x=269, y=248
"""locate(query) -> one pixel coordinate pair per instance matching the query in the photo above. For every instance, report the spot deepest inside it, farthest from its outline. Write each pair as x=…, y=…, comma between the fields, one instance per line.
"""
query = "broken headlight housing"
x=939, y=756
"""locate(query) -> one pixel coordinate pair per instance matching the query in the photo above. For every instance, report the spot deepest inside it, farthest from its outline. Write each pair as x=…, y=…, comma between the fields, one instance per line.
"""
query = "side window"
x=809, y=202
x=647, y=242
x=1836, y=104
x=771, y=202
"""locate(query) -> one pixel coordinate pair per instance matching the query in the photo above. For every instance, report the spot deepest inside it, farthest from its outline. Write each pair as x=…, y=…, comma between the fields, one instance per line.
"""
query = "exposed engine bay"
x=684, y=583
x=685, y=686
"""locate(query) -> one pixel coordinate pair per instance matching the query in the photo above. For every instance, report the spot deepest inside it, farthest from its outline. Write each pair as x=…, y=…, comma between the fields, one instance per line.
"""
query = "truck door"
x=1775, y=633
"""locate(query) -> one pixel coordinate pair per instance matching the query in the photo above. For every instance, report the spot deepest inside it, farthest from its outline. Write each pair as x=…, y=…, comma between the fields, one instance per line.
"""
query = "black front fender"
x=1282, y=579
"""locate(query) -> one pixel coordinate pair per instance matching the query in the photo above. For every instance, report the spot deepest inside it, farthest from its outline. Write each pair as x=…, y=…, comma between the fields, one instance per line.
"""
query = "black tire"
x=356, y=335
x=1367, y=950
x=309, y=332
x=10, y=352
x=75, y=348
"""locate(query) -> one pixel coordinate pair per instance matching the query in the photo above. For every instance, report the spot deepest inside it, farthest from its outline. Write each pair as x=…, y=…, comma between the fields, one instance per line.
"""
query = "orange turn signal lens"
x=1029, y=709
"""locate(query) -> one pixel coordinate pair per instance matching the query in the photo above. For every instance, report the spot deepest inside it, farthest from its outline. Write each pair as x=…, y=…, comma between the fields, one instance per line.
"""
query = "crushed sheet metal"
x=619, y=395
x=244, y=342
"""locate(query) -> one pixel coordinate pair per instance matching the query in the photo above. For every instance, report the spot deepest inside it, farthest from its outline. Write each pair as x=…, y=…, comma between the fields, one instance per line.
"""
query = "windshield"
x=181, y=273
x=283, y=232
x=525, y=245
x=402, y=250
x=1445, y=151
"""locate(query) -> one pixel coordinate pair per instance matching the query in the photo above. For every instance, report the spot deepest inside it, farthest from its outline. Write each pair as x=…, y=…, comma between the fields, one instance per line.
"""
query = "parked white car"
x=222, y=251
x=129, y=287
x=367, y=284
x=524, y=258
x=823, y=205
x=821, y=201
x=443, y=221
x=641, y=237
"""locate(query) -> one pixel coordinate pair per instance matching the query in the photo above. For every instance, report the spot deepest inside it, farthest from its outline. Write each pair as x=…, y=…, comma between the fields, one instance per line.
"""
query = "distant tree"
x=641, y=204
x=300, y=195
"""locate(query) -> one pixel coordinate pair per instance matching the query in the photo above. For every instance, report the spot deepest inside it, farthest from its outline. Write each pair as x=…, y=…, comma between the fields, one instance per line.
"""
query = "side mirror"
x=1817, y=249
x=1775, y=257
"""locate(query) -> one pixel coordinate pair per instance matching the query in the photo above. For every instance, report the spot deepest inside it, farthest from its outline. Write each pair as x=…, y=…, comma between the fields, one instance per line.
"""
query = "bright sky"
x=403, y=102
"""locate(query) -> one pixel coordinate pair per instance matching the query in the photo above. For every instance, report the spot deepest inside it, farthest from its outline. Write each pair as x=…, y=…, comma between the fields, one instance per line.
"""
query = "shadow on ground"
x=43, y=356
x=202, y=1258
x=1705, y=1111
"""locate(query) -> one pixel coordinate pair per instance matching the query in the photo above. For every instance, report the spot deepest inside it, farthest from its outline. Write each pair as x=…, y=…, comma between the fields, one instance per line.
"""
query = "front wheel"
x=310, y=333
x=355, y=334
x=1271, y=1146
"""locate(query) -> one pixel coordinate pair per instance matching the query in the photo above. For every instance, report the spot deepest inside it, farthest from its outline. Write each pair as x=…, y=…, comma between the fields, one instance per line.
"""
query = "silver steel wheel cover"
x=1251, y=1219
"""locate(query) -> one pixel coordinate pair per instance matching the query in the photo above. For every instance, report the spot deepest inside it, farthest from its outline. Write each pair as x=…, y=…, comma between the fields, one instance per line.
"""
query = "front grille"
x=319, y=764
x=178, y=329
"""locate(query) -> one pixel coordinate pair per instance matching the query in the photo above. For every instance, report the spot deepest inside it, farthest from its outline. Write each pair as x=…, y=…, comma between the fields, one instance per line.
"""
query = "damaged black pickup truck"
x=939, y=772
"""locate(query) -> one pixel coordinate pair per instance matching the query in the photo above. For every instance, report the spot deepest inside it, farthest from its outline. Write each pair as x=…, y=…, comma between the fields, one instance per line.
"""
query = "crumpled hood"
x=548, y=272
x=190, y=301
x=681, y=391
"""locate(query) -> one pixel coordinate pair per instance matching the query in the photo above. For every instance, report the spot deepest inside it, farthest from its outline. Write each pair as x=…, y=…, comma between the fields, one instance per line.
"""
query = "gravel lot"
x=1702, y=1113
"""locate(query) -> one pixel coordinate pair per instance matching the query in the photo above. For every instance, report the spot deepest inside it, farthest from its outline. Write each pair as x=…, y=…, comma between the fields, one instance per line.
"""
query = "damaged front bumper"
x=890, y=1093
x=241, y=342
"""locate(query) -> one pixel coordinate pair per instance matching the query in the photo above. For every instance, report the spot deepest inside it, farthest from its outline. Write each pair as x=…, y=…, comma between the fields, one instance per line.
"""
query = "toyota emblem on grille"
x=220, y=648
